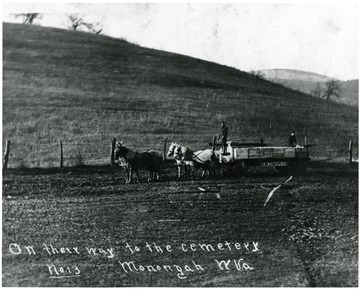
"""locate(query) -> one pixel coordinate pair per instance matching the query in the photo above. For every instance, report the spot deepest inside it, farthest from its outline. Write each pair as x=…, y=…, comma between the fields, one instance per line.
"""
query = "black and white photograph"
x=180, y=144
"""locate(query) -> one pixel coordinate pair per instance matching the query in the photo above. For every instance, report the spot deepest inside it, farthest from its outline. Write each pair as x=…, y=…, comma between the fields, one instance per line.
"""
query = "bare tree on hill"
x=28, y=18
x=257, y=73
x=96, y=28
x=317, y=91
x=333, y=87
x=77, y=21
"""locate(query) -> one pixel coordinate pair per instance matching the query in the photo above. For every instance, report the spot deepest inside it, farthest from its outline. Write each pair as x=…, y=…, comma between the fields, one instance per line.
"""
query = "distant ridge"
x=293, y=74
x=306, y=82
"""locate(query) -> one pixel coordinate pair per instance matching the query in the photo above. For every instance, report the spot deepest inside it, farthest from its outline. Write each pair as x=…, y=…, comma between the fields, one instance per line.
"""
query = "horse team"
x=186, y=160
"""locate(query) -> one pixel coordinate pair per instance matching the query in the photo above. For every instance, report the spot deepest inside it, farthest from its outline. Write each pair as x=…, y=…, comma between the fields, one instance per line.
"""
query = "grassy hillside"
x=86, y=89
x=306, y=82
x=350, y=92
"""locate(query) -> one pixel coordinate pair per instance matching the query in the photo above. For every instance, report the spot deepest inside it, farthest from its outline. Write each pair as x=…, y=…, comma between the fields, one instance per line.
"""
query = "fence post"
x=164, y=152
x=307, y=148
x=350, y=151
x=112, y=157
x=6, y=155
x=61, y=154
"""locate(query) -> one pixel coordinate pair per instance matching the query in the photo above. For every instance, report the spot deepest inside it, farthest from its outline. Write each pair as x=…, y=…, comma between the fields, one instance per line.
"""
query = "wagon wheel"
x=239, y=168
x=298, y=167
x=283, y=170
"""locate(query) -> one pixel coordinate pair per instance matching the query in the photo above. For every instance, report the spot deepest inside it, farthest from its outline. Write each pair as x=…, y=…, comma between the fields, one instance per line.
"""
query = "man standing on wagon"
x=223, y=136
x=292, y=139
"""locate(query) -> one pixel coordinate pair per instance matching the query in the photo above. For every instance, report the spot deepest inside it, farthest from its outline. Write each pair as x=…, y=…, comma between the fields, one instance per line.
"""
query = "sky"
x=321, y=37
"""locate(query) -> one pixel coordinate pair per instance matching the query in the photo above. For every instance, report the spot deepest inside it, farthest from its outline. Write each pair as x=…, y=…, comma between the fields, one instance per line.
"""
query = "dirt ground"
x=202, y=232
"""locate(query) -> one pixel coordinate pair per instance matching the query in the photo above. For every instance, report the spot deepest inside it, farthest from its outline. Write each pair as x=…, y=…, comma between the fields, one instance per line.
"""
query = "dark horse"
x=149, y=160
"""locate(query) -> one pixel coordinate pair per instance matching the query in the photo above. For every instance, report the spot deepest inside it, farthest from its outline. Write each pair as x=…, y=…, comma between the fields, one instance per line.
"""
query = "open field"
x=307, y=235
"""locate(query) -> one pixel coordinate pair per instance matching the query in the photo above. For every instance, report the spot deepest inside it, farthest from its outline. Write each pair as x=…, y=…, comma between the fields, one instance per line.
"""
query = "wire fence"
x=57, y=154
x=70, y=153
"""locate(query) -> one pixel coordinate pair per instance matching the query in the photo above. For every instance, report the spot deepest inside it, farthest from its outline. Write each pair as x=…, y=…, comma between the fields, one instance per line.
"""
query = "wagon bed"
x=281, y=157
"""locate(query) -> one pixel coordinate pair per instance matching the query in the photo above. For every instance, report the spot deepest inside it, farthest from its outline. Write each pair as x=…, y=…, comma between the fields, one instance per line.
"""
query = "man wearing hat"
x=292, y=140
x=223, y=136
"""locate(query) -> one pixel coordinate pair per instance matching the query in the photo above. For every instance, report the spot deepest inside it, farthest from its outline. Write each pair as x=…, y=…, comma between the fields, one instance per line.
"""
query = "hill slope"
x=306, y=82
x=85, y=89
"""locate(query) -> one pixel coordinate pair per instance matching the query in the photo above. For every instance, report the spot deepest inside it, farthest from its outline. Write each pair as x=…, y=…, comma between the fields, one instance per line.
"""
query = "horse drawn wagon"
x=236, y=159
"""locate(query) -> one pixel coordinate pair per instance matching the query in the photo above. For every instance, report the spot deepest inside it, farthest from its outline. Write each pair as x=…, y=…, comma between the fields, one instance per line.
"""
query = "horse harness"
x=196, y=156
x=135, y=155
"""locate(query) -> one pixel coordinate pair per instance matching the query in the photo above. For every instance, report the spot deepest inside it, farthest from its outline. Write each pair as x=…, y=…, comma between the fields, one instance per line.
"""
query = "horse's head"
x=177, y=152
x=120, y=151
x=171, y=150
